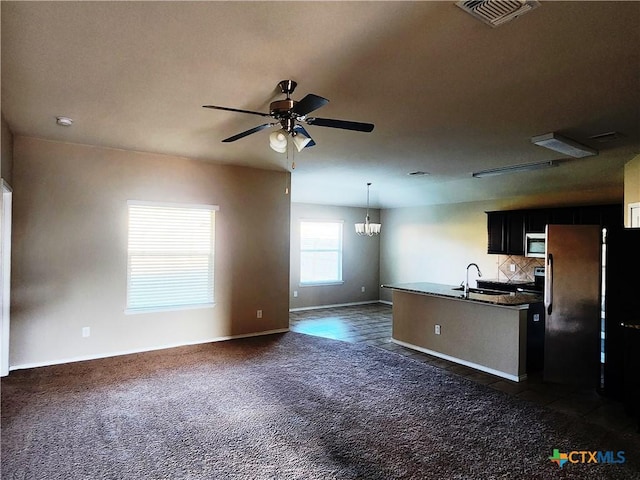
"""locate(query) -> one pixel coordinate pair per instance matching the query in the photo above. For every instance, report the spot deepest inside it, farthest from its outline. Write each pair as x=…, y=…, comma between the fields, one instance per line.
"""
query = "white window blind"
x=320, y=252
x=170, y=256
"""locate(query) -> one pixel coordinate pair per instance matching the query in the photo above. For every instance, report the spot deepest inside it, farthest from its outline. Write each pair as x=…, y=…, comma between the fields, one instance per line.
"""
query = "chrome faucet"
x=466, y=283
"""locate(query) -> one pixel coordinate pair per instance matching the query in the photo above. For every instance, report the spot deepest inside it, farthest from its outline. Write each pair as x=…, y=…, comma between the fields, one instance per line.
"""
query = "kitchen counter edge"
x=516, y=301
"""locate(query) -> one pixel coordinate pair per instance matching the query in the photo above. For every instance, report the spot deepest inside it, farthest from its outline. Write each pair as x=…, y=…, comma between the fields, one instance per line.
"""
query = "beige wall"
x=70, y=250
x=360, y=267
x=6, y=152
x=631, y=185
x=434, y=244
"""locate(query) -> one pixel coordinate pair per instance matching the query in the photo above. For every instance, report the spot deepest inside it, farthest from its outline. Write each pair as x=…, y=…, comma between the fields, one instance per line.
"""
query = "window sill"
x=319, y=284
x=135, y=311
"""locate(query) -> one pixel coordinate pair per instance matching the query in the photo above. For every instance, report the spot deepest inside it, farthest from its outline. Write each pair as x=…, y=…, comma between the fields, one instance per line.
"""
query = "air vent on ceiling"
x=497, y=12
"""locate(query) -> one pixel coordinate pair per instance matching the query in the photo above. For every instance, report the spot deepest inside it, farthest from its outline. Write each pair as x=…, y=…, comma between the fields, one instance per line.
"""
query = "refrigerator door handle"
x=548, y=285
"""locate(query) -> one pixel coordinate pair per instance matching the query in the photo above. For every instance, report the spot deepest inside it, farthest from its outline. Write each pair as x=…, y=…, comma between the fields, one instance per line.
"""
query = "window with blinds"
x=320, y=252
x=170, y=256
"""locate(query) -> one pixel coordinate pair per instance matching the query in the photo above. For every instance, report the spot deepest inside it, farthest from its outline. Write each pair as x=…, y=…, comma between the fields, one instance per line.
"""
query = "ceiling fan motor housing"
x=282, y=108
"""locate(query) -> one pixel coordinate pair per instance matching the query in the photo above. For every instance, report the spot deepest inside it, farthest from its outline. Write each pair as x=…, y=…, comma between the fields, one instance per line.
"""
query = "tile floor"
x=371, y=324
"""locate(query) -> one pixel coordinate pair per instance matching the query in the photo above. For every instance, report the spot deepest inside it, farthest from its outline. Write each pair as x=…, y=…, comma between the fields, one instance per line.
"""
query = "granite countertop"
x=526, y=284
x=517, y=300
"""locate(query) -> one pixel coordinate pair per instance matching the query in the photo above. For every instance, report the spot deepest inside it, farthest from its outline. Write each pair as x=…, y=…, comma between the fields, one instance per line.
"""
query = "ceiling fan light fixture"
x=300, y=140
x=278, y=141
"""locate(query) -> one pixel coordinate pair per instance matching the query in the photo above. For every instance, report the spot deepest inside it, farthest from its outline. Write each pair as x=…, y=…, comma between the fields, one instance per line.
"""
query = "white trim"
x=321, y=284
x=318, y=307
x=150, y=349
x=386, y=302
x=136, y=311
x=498, y=373
x=5, y=273
x=631, y=207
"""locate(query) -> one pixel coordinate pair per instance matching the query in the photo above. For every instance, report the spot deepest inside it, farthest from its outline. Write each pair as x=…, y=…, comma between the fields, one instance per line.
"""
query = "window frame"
x=129, y=309
x=339, y=250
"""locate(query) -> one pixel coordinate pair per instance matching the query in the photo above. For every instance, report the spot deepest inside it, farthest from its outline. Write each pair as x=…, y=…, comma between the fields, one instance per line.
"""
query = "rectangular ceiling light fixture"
x=525, y=167
x=561, y=144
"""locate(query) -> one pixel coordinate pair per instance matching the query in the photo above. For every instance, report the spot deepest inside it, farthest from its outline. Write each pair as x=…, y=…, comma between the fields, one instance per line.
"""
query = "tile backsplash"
x=522, y=266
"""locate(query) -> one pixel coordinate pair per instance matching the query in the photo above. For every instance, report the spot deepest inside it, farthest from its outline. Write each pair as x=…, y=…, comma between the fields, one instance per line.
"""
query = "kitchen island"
x=485, y=330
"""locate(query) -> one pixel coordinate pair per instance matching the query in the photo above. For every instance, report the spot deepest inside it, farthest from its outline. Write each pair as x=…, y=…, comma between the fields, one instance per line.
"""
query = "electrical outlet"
x=86, y=332
x=512, y=267
x=437, y=329
x=295, y=293
x=536, y=317
x=362, y=289
x=259, y=314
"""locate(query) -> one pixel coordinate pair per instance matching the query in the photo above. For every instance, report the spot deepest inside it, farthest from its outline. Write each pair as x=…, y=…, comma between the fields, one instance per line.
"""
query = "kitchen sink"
x=482, y=291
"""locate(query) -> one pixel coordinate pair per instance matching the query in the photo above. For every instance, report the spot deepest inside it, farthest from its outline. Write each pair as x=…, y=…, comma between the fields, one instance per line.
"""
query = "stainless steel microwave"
x=534, y=244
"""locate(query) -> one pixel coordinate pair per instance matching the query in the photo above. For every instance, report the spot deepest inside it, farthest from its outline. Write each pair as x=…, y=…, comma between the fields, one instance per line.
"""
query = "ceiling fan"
x=289, y=113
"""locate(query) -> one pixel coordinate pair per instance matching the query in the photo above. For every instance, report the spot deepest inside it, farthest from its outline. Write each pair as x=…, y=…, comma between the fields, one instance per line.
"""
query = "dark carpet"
x=285, y=406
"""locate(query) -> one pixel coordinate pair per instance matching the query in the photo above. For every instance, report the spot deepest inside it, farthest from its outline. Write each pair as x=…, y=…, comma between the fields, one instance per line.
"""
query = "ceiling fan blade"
x=308, y=104
x=344, y=124
x=248, y=132
x=229, y=109
x=300, y=128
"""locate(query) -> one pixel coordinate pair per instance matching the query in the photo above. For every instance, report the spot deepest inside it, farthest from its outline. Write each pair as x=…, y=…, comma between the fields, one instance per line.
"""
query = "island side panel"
x=483, y=334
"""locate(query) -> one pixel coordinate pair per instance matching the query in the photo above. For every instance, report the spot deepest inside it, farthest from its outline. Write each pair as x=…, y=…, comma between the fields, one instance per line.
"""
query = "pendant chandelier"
x=367, y=228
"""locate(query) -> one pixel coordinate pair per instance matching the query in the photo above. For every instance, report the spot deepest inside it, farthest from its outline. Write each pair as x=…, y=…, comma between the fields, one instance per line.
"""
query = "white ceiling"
x=448, y=94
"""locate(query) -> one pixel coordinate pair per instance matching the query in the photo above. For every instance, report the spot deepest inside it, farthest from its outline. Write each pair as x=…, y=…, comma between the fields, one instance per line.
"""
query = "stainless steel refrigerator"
x=573, y=277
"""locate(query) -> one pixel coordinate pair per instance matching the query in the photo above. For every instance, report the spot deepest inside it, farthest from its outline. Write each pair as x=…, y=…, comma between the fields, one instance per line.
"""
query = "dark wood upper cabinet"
x=515, y=233
x=562, y=216
x=612, y=216
x=505, y=232
x=536, y=220
x=506, y=229
x=591, y=215
x=496, y=230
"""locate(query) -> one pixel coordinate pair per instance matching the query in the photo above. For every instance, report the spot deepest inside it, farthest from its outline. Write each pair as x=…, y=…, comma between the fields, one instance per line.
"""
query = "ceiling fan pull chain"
x=293, y=166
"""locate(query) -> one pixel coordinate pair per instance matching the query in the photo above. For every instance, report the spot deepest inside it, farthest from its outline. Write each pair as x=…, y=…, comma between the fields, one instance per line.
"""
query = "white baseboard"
x=386, y=302
x=498, y=373
x=317, y=307
x=150, y=349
